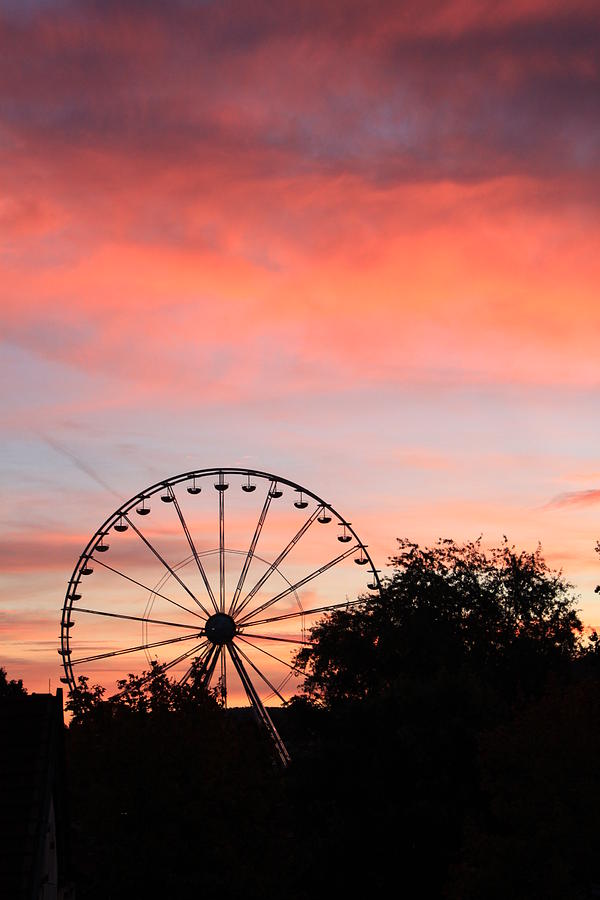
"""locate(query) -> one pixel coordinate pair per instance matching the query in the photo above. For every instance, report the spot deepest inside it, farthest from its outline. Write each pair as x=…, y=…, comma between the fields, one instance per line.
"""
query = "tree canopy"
x=502, y=614
x=12, y=688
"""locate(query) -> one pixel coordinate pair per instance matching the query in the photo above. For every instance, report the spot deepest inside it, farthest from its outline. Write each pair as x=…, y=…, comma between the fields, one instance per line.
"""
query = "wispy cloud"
x=574, y=498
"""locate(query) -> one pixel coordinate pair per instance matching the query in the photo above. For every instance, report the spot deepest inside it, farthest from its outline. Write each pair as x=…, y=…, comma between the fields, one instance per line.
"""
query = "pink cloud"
x=23, y=626
x=47, y=552
x=283, y=211
x=575, y=498
x=484, y=311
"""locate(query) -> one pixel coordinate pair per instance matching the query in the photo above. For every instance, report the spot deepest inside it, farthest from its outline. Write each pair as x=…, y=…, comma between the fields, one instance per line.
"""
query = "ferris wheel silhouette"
x=170, y=579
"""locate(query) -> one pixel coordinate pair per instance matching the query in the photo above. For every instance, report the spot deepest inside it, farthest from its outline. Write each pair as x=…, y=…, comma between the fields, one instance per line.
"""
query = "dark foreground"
x=415, y=789
x=447, y=744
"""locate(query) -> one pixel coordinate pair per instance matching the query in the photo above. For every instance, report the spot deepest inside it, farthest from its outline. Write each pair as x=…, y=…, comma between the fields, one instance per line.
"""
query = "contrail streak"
x=81, y=465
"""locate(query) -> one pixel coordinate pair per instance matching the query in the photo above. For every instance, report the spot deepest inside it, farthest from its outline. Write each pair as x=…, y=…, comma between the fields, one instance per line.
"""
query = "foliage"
x=83, y=700
x=461, y=639
x=500, y=614
x=150, y=692
x=537, y=834
x=10, y=689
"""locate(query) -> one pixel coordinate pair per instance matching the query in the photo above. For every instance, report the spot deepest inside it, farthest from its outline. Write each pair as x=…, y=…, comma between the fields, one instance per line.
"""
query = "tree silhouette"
x=461, y=638
x=10, y=689
x=150, y=692
x=501, y=614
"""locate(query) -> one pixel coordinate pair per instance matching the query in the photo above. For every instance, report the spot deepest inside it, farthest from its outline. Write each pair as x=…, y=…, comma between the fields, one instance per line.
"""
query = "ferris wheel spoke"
x=207, y=657
x=99, y=612
x=298, y=584
x=210, y=665
x=224, y=677
x=279, y=559
x=304, y=612
x=252, y=548
x=255, y=701
x=163, y=668
x=207, y=647
x=272, y=637
x=145, y=587
x=222, y=551
x=162, y=560
x=261, y=675
x=190, y=541
x=177, y=640
x=294, y=669
x=179, y=659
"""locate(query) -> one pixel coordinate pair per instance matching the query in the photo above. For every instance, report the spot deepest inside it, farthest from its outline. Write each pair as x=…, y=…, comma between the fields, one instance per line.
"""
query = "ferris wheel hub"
x=220, y=628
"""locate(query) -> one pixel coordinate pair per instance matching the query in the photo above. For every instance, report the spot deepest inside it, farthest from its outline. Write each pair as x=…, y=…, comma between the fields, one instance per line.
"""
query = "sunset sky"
x=356, y=244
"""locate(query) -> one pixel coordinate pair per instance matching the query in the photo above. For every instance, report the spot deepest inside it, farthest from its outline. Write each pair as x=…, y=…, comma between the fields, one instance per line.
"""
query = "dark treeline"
x=446, y=741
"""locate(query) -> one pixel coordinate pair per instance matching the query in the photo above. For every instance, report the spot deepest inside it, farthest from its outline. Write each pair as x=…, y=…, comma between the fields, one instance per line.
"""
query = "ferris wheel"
x=224, y=569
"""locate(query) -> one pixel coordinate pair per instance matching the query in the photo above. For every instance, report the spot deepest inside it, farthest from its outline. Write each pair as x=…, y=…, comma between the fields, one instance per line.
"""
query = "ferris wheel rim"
x=211, y=650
